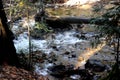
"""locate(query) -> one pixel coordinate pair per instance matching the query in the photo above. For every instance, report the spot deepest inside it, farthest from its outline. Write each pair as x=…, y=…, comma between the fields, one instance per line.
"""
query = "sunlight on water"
x=80, y=2
x=87, y=54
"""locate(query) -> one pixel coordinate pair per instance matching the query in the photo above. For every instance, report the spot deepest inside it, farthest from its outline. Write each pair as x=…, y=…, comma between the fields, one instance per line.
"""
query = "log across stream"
x=71, y=20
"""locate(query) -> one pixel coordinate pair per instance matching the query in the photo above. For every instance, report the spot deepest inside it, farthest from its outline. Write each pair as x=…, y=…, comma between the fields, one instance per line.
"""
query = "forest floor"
x=13, y=73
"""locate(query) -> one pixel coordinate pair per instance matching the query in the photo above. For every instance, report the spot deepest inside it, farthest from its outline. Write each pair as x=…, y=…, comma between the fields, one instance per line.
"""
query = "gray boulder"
x=95, y=65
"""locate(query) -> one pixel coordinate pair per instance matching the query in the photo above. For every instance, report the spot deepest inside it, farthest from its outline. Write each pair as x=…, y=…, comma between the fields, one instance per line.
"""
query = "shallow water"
x=62, y=41
x=66, y=46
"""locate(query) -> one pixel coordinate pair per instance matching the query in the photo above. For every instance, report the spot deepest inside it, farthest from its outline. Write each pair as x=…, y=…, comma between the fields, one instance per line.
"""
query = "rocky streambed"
x=61, y=53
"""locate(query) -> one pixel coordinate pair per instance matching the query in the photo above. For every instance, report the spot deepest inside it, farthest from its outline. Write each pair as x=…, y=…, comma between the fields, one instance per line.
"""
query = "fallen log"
x=73, y=20
x=64, y=22
x=76, y=20
x=57, y=23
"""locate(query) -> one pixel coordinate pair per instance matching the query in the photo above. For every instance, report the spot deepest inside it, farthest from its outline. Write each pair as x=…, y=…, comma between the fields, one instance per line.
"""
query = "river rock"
x=95, y=65
x=57, y=71
x=61, y=71
x=67, y=53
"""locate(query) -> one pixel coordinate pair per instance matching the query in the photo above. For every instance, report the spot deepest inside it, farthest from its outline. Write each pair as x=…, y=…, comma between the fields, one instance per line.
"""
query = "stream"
x=66, y=47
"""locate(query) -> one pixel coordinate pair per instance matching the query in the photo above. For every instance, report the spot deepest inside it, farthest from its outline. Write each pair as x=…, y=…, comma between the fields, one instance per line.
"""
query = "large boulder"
x=95, y=65
x=61, y=71
x=57, y=71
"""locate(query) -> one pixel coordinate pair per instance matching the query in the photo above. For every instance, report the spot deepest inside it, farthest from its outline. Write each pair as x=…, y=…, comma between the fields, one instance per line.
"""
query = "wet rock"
x=67, y=53
x=83, y=36
x=61, y=71
x=108, y=68
x=84, y=74
x=95, y=65
x=57, y=71
x=73, y=56
x=77, y=45
x=52, y=57
x=96, y=77
x=38, y=57
x=55, y=48
x=40, y=16
x=78, y=35
x=80, y=25
x=75, y=77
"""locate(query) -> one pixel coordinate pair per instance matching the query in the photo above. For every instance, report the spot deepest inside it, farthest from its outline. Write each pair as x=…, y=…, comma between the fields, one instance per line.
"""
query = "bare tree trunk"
x=7, y=50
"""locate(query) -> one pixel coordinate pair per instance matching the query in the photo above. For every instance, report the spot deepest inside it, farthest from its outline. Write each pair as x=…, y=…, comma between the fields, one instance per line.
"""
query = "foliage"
x=17, y=8
x=41, y=25
x=110, y=29
x=97, y=7
x=110, y=23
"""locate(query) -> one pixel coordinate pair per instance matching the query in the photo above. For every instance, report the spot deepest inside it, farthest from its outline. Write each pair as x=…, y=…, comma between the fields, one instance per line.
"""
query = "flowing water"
x=60, y=44
x=63, y=41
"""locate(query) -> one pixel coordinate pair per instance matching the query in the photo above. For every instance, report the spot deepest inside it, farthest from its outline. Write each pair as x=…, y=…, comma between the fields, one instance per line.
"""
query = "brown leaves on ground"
x=13, y=73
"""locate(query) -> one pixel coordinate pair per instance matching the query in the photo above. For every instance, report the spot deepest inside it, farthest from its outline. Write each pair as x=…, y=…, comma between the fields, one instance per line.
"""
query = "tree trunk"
x=7, y=50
